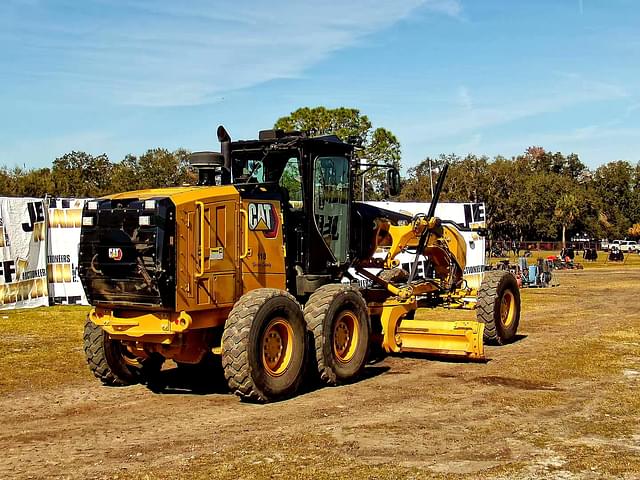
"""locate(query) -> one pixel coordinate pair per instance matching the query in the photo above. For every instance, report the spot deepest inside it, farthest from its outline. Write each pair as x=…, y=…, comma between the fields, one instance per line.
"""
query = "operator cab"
x=311, y=179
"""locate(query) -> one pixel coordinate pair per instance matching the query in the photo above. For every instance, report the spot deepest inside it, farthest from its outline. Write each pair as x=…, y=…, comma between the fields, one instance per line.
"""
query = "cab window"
x=292, y=182
x=331, y=203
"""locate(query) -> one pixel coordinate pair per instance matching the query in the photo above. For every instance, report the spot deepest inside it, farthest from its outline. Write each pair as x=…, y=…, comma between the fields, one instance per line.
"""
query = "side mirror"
x=393, y=181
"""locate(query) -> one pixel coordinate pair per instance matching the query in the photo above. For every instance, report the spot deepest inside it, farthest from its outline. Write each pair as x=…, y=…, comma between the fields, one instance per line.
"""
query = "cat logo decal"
x=115, y=254
x=263, y=218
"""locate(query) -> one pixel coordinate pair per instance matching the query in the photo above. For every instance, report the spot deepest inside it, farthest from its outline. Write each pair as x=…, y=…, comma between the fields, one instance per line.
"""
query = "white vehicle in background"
x=626, y=246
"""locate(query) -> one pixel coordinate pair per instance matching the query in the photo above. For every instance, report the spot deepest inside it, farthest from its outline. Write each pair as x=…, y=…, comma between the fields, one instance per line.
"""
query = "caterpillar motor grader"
x=250, y=265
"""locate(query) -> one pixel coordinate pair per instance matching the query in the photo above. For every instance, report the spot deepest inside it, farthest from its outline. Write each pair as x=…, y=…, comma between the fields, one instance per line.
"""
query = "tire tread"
x=485, y=308
x=315, y=311
x=235, y=358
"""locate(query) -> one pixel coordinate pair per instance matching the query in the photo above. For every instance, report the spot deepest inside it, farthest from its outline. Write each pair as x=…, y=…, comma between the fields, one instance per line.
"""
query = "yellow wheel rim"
x=127, y=356
x=345, y=336
x=277, y=346
x=507, y=308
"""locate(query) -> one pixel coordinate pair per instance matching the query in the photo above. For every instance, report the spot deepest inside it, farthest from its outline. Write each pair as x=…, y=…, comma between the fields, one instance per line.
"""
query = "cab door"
x=331, y=204
x=262, y=250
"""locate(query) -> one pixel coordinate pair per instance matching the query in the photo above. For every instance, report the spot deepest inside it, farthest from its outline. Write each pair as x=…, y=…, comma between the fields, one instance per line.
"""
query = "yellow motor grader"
x=252, y=266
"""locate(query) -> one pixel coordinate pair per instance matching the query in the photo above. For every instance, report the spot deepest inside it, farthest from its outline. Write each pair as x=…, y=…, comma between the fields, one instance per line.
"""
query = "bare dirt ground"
x=561, y=402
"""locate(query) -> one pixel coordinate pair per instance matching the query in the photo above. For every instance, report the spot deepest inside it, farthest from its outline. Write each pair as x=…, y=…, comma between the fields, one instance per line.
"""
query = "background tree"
x=537, y=195
x=292, y=182
x=315, y=121
x=156, y=168
x=125, y=175
x=524, y=195
x=379, y=146
x=7, y=182
x=79, y=174
x=33, y=183
x=614, y=185
x=161, y=168
x=471, y=179
x=567, y=210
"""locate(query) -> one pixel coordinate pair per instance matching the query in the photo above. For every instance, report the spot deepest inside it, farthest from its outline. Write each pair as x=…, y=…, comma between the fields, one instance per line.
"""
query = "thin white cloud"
x=453, y=8
x=471, y=145
x=164, y=53
x=464, y=98
x=570, y=90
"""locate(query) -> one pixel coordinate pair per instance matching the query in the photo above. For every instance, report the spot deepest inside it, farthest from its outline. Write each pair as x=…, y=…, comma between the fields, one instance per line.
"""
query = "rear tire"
x=499, y=307
x=338, y=320
x=263, y=346
x=111, y=362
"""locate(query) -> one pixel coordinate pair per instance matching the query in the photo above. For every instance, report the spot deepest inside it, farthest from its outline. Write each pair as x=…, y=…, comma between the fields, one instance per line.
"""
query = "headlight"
x=144, y=220
x=87, y=221
x=92, y=205
x=149, y=204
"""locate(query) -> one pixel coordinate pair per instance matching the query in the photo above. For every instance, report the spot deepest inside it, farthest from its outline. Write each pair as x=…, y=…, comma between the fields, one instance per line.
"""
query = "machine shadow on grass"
x=519, y=337
x=208, y=380
x=196, y=380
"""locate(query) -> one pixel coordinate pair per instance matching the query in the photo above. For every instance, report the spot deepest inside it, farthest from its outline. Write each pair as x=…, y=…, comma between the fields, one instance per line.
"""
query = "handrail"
x=200, y=207
x=245, y=231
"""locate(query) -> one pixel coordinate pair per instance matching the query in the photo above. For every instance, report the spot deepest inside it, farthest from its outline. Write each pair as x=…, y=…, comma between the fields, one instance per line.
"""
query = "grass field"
x=41, y=348
x=561, y=402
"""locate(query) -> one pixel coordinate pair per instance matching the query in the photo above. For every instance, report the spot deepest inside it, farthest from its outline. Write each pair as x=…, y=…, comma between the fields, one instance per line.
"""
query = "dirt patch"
x=560, y=403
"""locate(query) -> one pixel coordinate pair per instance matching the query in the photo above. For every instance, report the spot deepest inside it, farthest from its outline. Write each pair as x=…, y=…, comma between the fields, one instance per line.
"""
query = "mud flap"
x=442, y=338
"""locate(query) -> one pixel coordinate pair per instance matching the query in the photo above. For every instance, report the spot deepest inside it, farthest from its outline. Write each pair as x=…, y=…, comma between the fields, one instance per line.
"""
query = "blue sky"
x=487, y=77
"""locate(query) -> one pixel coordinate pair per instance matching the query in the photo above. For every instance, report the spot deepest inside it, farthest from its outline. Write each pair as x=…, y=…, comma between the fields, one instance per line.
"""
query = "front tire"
x=263, y=346
x=338, y=320
x=499, y=307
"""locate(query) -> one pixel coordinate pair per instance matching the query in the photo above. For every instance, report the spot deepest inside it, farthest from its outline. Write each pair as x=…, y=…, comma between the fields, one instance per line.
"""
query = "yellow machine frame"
x=402, y=332
x=207, y=289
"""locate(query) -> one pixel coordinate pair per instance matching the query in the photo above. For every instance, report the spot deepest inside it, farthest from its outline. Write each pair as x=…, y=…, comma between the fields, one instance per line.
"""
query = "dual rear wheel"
x=269, y=343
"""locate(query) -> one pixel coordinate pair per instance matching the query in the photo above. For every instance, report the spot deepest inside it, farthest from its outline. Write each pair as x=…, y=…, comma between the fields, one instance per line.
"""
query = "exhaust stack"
x=225, y=148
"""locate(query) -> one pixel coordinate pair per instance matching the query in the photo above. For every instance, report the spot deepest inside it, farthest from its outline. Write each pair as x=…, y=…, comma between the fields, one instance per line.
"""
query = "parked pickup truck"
x=626, y=246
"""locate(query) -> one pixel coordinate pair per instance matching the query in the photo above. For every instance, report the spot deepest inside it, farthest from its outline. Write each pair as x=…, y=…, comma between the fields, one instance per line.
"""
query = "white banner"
x=23, y=267
x=65, y=217
x=466, y=215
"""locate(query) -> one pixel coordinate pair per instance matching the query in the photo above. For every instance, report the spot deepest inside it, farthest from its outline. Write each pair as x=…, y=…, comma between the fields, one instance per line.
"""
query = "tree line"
x=81, y=175
x=538, y=195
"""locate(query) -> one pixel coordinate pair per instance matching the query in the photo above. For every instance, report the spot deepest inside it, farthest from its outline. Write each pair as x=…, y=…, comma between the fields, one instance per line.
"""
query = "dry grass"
x=41, y=348
x=561, y=403
x=302, y=456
